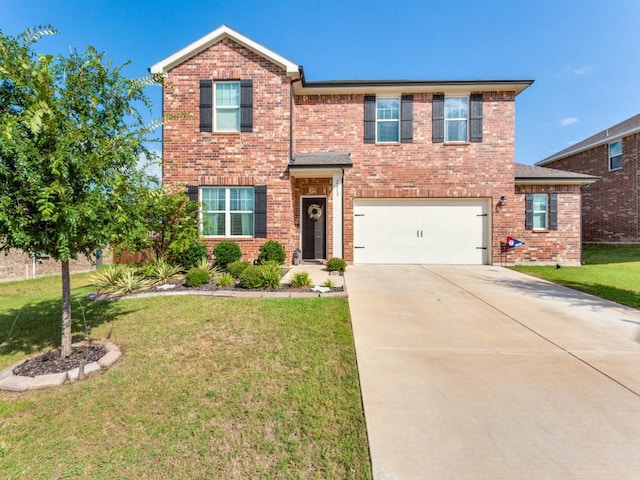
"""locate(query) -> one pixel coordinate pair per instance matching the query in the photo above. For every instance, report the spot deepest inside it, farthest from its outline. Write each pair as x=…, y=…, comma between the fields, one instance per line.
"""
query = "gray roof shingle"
x=531, y=172
x=321, y=159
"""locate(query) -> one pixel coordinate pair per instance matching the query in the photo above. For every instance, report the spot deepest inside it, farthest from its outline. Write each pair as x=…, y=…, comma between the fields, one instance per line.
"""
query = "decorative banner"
x=514, y=242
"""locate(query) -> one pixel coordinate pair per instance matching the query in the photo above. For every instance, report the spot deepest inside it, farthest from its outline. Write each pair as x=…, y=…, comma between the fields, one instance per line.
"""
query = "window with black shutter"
x=438, y=118
x=206, y=105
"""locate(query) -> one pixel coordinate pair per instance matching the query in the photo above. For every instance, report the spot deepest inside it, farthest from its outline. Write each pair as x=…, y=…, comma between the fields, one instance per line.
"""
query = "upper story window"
x=227, y=211
x=456, y=115
x=615, y=155
x=387, y=120
x=457, y=118
x=227, y=107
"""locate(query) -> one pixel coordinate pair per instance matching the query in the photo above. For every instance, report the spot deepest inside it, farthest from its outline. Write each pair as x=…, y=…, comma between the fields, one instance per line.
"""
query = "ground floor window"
x=228, y=211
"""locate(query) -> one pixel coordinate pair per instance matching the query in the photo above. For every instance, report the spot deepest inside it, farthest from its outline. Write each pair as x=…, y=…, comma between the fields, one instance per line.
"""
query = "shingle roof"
x=321, y=159
x=550, y=175
x=622, y=129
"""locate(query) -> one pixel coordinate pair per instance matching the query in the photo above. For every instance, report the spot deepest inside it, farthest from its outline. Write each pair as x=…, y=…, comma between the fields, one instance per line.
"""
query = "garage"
x=417, y=230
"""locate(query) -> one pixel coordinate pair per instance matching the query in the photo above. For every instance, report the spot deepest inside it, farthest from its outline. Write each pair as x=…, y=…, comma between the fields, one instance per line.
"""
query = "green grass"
x=206, y=388
x=609, y=271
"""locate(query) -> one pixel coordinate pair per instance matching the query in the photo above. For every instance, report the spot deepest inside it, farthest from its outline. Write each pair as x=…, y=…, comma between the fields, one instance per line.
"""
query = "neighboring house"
x=17, y=265
x=611, y=206
x=374, y=171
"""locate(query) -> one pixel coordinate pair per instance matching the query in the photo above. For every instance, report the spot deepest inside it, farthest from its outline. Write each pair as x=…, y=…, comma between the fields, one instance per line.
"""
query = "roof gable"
x=216, y=36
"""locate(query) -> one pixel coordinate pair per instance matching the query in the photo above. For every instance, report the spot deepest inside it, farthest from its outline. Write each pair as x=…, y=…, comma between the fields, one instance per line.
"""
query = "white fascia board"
x=313, y=88
x=218, y=34
x=543, y=181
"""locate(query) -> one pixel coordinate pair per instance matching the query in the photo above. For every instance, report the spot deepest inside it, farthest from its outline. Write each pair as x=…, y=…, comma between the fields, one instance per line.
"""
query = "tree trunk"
x=65, y=343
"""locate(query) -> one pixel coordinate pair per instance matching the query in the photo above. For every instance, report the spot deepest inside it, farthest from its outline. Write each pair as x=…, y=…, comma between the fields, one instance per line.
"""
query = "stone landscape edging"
x=20, y=383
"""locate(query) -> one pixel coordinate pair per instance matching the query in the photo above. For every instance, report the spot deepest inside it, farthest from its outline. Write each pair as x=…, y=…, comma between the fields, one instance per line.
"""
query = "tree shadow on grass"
x=37, y=326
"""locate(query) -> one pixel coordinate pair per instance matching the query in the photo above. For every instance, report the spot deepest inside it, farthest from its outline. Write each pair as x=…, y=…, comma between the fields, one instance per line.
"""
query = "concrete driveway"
x=484, y=373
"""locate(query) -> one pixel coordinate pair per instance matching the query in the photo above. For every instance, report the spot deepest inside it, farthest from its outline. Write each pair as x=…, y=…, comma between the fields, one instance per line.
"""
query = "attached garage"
x=427, y=231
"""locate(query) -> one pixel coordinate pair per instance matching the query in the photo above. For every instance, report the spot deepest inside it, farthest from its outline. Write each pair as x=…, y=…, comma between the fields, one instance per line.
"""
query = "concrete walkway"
x=484, y=373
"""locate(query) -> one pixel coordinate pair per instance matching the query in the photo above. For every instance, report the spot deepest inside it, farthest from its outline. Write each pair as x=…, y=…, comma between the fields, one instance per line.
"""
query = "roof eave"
x=555, y=181
x=224, y=31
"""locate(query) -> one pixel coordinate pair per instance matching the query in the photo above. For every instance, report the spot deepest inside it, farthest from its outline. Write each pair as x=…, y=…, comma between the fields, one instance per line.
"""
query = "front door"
x=314, y=228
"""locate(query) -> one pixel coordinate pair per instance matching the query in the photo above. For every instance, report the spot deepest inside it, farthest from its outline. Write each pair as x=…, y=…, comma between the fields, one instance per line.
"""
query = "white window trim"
x=467, y=118
x=611, y=169
x=546, y=212
x=225, y=107
x=386, y=120
x=227, y=213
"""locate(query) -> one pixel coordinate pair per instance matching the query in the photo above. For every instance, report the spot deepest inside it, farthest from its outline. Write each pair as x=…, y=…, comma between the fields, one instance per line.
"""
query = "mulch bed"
x=51, y=362
x=178, y=285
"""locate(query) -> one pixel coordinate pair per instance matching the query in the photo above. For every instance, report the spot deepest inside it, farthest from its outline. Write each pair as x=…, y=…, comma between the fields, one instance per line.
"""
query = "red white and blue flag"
x=514, y=242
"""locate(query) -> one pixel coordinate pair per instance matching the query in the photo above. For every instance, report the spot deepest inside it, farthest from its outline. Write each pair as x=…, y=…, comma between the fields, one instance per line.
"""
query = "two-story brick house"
x=371, y=171
x=611, y=207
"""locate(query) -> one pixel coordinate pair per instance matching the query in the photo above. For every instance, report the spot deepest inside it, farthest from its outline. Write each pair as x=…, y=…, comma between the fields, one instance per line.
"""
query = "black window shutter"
x=528, y=211
x=260, y=211
x=438, y=118
x=246, y=105
x=369, y=119
x=475, y=120
x=192, y=193
x=206, y=105
x=406, y=122
x=553, y=211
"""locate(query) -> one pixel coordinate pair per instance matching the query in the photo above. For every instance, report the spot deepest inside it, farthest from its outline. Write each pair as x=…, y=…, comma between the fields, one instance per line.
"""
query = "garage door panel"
x=453, y=231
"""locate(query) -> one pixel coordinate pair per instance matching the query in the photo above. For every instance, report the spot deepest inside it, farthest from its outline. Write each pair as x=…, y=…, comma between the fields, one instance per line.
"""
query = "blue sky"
x=582, y=54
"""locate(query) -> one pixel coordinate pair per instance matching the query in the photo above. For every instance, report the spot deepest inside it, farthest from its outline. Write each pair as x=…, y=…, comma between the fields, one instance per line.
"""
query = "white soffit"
x=218, y=34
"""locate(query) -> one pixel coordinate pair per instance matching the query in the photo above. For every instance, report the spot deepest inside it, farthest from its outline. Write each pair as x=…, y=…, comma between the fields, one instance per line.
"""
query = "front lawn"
x=609, y=271
x=207, y=388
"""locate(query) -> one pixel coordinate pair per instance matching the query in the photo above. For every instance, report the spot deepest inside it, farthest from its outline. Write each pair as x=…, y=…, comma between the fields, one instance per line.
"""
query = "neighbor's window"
x=540, y=211
x=615, y=155
x=227, y=107
x=387, y=120
x=227, y=211
x=456, y=115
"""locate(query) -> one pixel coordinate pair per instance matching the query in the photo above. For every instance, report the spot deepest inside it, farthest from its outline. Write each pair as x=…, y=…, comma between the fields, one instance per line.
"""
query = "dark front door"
x=314, y=228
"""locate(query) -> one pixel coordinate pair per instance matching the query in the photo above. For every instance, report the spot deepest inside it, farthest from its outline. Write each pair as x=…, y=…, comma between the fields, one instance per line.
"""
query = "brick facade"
x=286, y=123
x=610, y=207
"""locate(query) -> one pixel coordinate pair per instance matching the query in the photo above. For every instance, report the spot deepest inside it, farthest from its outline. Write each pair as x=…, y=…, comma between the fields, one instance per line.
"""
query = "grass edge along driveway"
x=609, y=271
x=206, y=388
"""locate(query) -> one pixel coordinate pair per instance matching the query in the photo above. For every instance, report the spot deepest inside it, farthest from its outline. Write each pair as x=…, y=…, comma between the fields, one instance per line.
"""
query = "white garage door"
x=429, y=231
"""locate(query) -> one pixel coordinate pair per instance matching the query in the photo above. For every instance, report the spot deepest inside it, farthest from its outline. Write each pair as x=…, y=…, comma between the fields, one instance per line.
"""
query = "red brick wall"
x=547, y=246
x=261, y=157
x=18, y=266
x=610, y=205
x=419, y=169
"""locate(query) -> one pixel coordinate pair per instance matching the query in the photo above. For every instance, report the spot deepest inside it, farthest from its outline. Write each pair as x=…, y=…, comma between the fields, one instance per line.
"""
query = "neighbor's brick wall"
x=18, y=266
x=548, y=246
x=420, y=169
x=610, y=206
x=260, y=157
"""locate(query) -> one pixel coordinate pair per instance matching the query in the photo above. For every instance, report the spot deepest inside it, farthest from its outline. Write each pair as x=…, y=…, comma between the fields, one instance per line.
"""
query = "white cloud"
x=154, y=169
x=584, y=70
x=568, y=121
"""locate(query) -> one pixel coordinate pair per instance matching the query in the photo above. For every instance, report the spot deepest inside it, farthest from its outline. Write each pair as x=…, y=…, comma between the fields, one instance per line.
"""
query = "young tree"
x=70, y=141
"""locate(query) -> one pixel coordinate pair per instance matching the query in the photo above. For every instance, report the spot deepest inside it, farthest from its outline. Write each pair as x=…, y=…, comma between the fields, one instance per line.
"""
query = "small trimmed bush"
x=225, y=280
x=272, y=251
x=328, y=283
x=271, y=274
x=336, y=264
x=226, y=253
x=251, y=277
x=236, y=268
x=197, y=277
x=192, y=255
x=300, y=279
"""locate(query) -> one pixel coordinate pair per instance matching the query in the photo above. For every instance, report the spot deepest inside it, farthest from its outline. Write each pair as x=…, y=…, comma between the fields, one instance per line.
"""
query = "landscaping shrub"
x=251, y=277
x=197, y=277
x=204, y=264
x=193, y=254
x=226, y=253
x=225, y=280
x=271, y=274
x=106, y=279
x=236, y=268
x=161, y=271
x=336, y=264
x=300, y=279
x=272, y=251
x=129, y=281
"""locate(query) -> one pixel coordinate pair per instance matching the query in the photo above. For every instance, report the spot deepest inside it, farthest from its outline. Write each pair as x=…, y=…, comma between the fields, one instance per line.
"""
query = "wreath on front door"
x=314, y=211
